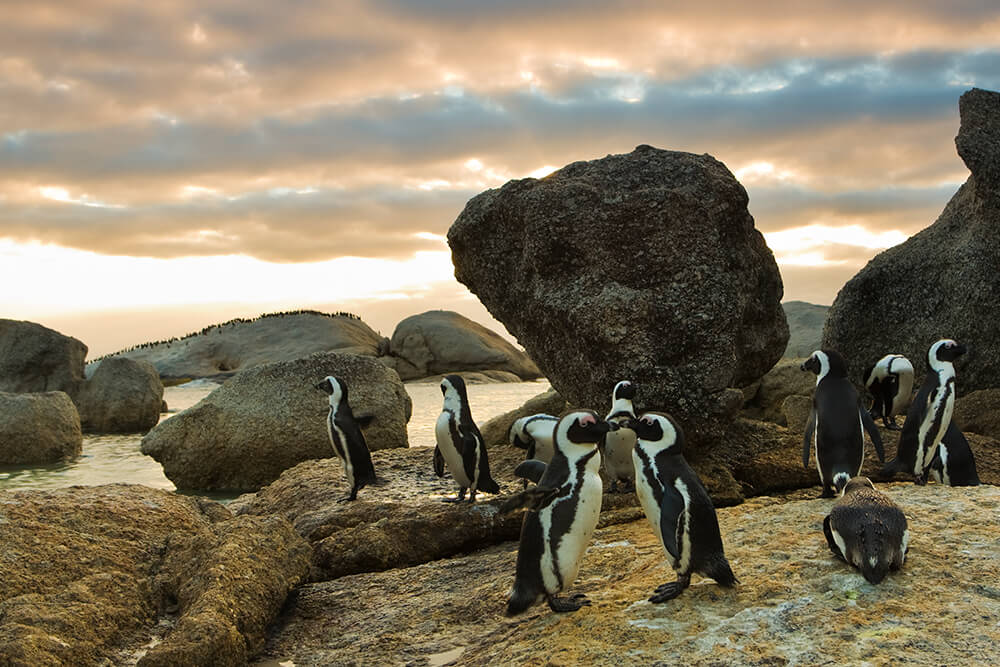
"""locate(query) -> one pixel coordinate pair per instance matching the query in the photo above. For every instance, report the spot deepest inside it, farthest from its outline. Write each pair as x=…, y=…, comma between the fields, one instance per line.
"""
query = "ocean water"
x=107, y=459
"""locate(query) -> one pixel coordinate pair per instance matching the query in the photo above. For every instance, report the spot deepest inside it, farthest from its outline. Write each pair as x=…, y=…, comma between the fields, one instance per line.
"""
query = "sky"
x=166, y=165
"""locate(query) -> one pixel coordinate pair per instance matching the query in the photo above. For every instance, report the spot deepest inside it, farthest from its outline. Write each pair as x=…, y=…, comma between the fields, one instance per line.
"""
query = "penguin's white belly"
x=336, y=435
x=618, y=446
x=452, y=457
x=929, y=438
x=571, y=547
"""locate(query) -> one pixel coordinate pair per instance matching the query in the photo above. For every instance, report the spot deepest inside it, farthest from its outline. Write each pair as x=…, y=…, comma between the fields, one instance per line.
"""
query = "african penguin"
x=618, y=445
x=676, y=505
x=890, y=381
x=346, y=437
x=563, y=511
x=867, y=530
x=929, y=415
x=837, y=424
x=460, y=444
x=954, y=463
x=534, y=434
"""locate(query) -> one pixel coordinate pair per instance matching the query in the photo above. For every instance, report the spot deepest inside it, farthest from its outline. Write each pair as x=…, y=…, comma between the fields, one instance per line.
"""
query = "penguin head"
x=453, y=389
x=856, y=484
x=516, y=435
x=624, y=390
x=583, y=427
x=658, y=430
x=944, y=351
x=335, y=387
x=825, y=363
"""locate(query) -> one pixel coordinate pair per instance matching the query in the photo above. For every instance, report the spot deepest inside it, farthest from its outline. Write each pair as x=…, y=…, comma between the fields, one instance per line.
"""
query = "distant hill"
x=805, y=325
x=222, y=349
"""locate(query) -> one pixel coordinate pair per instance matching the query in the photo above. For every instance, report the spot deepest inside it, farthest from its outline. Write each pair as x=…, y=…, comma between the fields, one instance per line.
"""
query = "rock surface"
x=219, y=351
x=441, y=341
x=644, y=266
x=941, y=282
x=38, y=428
x=34, y=358
x=85, y=573
x=979, y=412
x=268, y=418
x=796, y=604
x=496, y=430
x=122, y=396
x=786, y=379
x=805, y=327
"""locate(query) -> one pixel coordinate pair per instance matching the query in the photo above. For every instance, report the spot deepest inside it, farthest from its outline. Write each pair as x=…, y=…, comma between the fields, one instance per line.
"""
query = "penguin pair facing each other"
x=928, y=421
x=837, y=424
x=460, y=445
x=618, y=444
x=867, y=530
x=344, y=431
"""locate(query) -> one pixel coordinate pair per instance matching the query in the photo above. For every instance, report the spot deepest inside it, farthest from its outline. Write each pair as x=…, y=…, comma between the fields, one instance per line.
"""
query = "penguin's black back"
x=906, y=451
x=840, y=441
x=357, y=447
x=960, y=461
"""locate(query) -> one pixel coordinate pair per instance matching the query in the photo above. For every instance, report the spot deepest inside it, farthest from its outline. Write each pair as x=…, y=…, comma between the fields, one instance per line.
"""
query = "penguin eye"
x=587, y=420
x=648, y=420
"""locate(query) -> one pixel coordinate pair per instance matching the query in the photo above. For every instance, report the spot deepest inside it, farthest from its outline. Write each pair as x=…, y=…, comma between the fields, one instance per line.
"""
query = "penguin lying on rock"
x=562, y=513
x=867, y=530
x=460, y=445
x=676, y=505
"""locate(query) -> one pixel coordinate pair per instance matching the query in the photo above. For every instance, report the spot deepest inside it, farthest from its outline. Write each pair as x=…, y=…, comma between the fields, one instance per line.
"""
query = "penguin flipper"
x=671, y=509
x=869, y=424
x=530, y=469
x=828, y=531
x=364, y=420
x=438, y=462
x=533, y=499
x=808, y=437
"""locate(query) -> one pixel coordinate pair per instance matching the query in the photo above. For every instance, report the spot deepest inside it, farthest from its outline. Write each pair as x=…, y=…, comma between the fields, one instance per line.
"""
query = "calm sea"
x=107, y=459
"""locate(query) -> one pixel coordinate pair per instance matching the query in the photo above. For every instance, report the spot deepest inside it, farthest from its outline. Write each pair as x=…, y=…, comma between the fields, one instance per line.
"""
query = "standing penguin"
x=346, y=437
x=460, y=444
x=867, y=530
x=929, y=415
x=837, y=424
x=534, y=434
x=890, y=382
x=954, y=463
x=618, y=445
x=563, y=512
x=677, y=505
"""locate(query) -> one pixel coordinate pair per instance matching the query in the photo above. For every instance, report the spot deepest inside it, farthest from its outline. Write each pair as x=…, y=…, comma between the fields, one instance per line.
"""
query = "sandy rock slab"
x=795, y=605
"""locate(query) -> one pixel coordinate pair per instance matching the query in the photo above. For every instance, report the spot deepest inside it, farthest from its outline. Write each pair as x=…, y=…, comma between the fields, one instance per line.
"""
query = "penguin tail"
x=840, y=480
x=489, y=485
x=721, y=571
x=521, y=597
x=891, y=468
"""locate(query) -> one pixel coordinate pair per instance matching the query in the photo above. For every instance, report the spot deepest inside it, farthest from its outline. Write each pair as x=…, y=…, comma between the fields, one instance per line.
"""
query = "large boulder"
x=98, y=575
x=941, y=282
x=122, y=396
x=644, y=266
x=269, y=418
x=979, y=412
x=786, y=379
x=796, y=604
x=220, y=350
x=38, y=428
x=442, y=341
x=34, y=358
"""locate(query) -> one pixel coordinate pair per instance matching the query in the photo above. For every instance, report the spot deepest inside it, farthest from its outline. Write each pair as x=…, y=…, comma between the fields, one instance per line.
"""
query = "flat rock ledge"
x=796, y=604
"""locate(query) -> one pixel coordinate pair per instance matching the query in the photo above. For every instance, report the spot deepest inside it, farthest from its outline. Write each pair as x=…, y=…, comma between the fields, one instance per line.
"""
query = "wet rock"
x=97, y=575
x=221, y=350
x=441, y=341
x=268, y=418
x=650, y=258
x=38, y=428
x=34, y=358
x=784, y=380
x=495, y=431
x=979, y=412
x=796, y=604
x=941, y=282
x=122, y=396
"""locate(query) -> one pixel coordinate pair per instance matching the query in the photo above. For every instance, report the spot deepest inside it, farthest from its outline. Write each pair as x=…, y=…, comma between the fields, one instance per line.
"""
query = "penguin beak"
x=612, y=426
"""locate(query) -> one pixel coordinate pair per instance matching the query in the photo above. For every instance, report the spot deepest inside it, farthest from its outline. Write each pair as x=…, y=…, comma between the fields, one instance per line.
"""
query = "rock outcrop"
x=786, y=379
x=122, y=396
x=644, y=266
x=979, y=412
x=268, y=418
x=38, y=428
x=441, y=341
x=98, y=575
x=941, y=282
x=795, y=604
x=805, y=327
x=221, y=350
x=34, y=358
x=496, y=430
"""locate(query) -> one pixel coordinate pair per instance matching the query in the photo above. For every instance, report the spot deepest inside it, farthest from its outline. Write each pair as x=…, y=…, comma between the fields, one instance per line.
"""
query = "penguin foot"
x=670, y=590
x=572, y=603
x=346, y=499
x=828, y=492
x=920, y=480
x=891, y=425
x=457, y=499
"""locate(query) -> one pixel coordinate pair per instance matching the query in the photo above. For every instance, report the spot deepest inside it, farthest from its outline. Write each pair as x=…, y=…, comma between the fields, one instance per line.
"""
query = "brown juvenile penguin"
x=867, y=530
